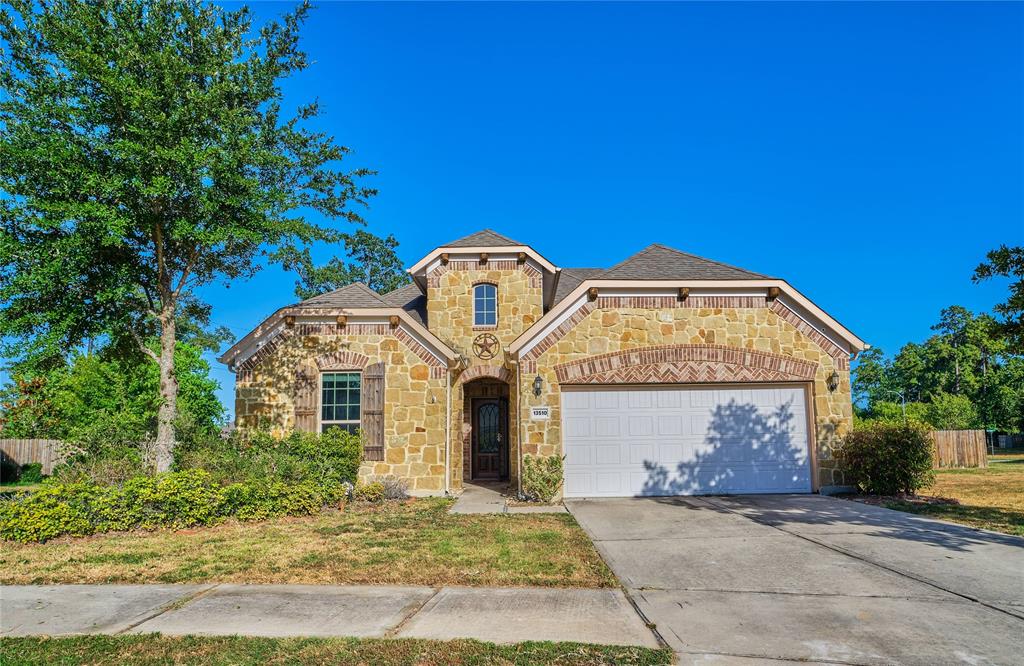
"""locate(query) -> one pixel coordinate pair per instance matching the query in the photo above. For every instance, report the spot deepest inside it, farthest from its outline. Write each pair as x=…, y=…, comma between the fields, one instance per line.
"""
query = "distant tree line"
x=968, y=374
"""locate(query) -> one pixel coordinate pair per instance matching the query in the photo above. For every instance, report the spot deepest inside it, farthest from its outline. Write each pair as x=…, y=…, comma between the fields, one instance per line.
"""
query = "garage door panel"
x=686, y=441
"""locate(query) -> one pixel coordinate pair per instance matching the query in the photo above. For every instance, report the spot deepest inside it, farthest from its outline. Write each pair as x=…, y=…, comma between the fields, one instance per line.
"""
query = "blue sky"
x=869, y=153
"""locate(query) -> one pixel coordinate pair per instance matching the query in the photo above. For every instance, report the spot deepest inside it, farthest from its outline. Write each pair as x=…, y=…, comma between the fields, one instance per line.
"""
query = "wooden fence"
x=22, y=451
x=960, y=448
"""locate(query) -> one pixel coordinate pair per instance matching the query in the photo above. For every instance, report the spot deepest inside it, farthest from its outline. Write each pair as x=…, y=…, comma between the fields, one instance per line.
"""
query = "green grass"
x=412, y=543
x=990, y=498
x=154, y=649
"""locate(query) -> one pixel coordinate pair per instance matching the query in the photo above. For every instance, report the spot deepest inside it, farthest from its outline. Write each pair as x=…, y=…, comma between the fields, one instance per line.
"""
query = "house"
x=665, y=374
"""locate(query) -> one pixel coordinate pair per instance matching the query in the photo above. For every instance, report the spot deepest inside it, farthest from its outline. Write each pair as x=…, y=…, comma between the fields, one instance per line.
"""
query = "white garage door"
x=684, y=441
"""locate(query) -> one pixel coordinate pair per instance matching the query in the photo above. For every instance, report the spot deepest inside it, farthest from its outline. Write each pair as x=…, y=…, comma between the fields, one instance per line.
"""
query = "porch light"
x=832, y=382
x=537, y=383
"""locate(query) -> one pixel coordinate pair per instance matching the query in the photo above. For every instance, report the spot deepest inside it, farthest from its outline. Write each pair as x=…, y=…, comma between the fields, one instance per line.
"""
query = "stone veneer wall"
x=611, y=325
x=450, y=316
x=414, y=427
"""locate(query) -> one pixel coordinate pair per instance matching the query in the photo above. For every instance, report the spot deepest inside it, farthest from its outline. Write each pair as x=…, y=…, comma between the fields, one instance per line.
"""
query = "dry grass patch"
x=153, y=649
x=991, y=498
x=412, y=543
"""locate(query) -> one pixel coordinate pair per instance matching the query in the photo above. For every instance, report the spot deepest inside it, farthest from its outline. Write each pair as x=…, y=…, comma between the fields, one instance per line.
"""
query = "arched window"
x=485, y=305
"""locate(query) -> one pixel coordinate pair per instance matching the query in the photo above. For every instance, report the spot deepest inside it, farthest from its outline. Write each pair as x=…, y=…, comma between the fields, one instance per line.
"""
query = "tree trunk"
x=168, y=412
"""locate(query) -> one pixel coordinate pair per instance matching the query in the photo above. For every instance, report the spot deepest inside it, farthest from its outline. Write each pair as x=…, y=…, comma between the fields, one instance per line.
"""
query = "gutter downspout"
x=447, y=432
x=522, y=427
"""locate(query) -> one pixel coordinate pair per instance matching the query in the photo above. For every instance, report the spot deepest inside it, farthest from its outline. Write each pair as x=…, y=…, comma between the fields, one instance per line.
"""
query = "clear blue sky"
x=869, y=153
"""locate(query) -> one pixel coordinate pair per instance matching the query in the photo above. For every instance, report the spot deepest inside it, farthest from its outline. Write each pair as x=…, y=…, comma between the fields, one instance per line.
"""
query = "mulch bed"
x=920, y=500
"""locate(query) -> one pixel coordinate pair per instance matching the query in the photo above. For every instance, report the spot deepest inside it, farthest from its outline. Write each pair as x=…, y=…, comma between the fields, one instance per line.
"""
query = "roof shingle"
x=483, y=238
x=355, y=295
x=658, y=262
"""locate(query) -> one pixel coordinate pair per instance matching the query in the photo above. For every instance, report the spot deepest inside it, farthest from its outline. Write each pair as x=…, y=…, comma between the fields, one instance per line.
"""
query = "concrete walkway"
x=809, y=578
x=490, y=498
x=500, y=615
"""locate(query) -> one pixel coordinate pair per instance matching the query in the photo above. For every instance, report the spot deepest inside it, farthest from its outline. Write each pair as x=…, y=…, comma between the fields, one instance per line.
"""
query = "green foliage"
x=369, y=492
x=374, y=262
x=173, y=500
x=31, y=473
x=108, y=400
x=542, y=477
x=887, y=458
x=966, y=358
x=144, y=154
x=300, y=457
x=952, y=412
x=1007, y=262
x=9, y=470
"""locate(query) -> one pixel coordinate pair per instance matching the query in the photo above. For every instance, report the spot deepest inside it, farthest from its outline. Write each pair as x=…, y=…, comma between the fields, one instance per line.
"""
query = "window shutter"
x=306, y=400
x=372, y=417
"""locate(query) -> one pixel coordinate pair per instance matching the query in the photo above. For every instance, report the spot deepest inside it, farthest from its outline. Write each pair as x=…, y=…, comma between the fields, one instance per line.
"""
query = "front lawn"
x=991, y=498
x=154, y=649
x=412, y=543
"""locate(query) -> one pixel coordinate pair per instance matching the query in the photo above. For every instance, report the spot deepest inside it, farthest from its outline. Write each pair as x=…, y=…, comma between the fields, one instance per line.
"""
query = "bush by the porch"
x=888, y=458
x=542, y=477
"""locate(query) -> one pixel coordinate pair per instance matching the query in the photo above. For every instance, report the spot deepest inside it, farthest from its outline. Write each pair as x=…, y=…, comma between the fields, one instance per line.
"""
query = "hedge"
x=886, y=458
x=176, y=499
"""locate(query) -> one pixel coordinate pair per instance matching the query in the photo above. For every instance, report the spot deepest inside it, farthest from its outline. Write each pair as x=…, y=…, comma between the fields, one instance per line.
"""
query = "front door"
x=489, y=439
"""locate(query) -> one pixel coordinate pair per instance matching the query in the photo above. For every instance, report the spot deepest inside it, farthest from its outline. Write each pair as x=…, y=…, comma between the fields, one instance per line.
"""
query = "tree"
x=870, y=377
x=374, y=262
x=1007, y=262
x=94, y=387
x=144, y=152
x=952, y=412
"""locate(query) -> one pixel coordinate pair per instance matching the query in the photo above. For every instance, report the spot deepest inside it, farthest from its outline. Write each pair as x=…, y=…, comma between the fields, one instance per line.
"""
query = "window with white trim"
x=339, y=400
x=485, y=305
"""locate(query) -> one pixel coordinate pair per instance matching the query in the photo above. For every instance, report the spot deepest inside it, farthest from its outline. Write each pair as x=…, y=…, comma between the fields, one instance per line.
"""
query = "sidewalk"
x=499, y=615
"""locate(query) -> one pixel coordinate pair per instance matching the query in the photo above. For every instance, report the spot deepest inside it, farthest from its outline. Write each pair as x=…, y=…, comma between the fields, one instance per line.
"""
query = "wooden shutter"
x=372, y=417
x=307, y=385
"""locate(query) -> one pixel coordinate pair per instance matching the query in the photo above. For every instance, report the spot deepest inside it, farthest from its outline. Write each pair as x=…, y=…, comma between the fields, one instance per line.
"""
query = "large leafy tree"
x=145, y=152
x=372, y=260
x=1007, y=262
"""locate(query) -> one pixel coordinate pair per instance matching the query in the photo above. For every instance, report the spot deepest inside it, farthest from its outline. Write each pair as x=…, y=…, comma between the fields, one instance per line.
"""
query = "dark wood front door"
x=490, y=439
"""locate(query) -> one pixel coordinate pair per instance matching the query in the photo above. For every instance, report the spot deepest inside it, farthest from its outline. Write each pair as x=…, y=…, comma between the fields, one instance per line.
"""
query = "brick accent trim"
x=656, y=302
x=477, y=371
x=244, y=371
x=342, y=360
x=677, y=364
x=558, y=333
x=536, y=277
x=840, y=356
x=438, y=368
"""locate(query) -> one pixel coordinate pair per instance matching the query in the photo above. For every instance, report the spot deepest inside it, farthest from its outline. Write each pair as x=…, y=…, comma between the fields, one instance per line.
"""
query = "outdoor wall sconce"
x=832, y=382
x=537, y=383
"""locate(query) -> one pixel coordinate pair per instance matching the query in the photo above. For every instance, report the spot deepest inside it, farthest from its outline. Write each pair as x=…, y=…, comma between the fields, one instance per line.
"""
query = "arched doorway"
x=486, y=444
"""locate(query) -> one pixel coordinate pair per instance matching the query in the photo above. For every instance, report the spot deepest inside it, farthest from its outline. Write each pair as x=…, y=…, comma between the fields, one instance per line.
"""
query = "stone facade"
x=609, y=339
x=610, y=325
x=450, y=313
x=414, y=413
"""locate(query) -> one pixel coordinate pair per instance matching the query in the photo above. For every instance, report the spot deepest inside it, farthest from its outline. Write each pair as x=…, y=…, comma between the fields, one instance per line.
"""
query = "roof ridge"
x=713, y=261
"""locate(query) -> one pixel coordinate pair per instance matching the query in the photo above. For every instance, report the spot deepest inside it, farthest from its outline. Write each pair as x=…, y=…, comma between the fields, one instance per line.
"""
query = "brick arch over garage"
x=685, y=364
x=478, y=371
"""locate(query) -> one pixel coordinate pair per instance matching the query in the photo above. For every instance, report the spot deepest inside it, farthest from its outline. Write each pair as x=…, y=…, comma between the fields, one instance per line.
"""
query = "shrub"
x=332, y=457
x=31, y=473
x=176, y=499
x=542, y=477
x=395, y=488
x=369, y=492
x=887, y=458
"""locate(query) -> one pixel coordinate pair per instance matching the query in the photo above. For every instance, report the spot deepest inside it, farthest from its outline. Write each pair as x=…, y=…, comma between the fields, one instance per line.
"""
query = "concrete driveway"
x=811, y=578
